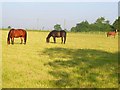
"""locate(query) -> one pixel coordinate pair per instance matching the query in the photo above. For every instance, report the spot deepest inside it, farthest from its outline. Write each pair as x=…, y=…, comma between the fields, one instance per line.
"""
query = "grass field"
x=85, y=61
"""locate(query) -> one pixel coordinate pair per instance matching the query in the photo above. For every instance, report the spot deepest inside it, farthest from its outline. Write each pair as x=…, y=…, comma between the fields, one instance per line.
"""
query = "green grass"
x=86, y=61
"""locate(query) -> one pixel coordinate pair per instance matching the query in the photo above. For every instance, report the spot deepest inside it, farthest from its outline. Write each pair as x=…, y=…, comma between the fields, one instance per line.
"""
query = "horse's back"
x=56, y=33
x=63, y=32
x=18, y=33
x=111, y=33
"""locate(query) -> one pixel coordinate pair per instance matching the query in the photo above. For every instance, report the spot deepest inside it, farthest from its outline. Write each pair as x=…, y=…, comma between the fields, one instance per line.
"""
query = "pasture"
x=87, y=60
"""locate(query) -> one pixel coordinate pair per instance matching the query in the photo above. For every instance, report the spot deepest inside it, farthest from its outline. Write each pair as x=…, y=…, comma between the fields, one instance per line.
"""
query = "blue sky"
x=119, y=8
x=39, y=15
x=59, y=0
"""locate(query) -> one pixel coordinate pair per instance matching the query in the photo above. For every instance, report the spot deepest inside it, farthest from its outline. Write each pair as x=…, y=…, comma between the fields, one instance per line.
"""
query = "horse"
x=16, y=33
x=56, y=34
x=112, y=33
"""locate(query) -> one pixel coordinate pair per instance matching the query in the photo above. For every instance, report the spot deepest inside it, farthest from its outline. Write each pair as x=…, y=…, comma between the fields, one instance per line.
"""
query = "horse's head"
x=47, y=40
x=8, y=41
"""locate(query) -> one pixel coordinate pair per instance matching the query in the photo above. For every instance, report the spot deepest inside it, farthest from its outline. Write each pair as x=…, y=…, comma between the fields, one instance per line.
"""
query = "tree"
x=9, y=27
x=116, y=23
x=100, y=25
x=83, y=26
x=107, y=22
x=73, y=29
x=100, y=20
x=57, y=27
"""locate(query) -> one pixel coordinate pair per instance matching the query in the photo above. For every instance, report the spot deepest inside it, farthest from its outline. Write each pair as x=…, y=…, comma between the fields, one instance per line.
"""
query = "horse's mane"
x=8, y=39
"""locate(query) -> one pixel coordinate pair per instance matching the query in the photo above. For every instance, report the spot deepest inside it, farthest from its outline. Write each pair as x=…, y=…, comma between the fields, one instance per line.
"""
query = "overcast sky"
x=44, y=15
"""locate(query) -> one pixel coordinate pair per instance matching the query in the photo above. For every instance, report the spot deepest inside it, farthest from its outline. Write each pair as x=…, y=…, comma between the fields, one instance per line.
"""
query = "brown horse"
x=112, y=33
x=56, y=34
x=16, y=33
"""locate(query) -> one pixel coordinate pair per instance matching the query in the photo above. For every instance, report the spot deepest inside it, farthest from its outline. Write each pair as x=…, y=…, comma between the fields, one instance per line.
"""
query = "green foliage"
x=83, y=26
x=57, y=27
x=100, y=20
x=116, y=23
x=9, y=27
x=99, y=25
x=73, y=29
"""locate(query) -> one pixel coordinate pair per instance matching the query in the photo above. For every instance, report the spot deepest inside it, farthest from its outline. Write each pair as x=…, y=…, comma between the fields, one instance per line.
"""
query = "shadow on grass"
x=82, y=68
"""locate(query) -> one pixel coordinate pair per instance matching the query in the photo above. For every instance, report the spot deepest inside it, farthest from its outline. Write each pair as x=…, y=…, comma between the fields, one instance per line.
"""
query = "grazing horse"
x=16, y=33
x=112, y=33
x=56, y=34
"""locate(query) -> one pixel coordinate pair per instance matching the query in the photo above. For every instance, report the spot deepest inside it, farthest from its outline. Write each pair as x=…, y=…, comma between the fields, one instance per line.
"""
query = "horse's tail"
x=8, y=38
x=25, y=39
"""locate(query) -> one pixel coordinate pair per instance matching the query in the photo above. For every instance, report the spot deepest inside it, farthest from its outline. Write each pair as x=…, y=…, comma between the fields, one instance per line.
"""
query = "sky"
x=59, y=0
x=119, y=8
x=44, y=15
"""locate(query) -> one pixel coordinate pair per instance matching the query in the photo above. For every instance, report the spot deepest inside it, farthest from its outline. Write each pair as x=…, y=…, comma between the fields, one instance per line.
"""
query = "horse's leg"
x=54, y=39
x=21, y=40
x=107, y=35
x=24, y=40
x=12, y=40
x=62, y=39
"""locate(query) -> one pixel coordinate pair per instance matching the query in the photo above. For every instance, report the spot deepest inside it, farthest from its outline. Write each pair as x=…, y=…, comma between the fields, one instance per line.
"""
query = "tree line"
x=99, y=25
